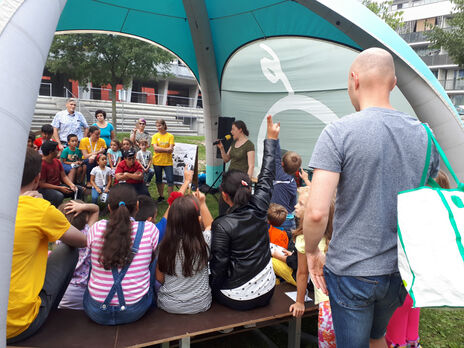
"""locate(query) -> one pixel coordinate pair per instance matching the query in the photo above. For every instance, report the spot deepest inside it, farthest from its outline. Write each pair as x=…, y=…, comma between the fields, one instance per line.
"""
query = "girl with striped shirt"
x=182, y=266
x=120, y=288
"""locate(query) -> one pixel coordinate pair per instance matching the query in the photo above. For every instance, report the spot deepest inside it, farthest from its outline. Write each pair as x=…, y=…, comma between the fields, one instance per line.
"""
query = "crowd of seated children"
x=71, y=157
x=37, y=281
x=54, y=184
x=121, y=250
x=100, y=179
x=145, y=158
x=82, y=216
x=114, y=155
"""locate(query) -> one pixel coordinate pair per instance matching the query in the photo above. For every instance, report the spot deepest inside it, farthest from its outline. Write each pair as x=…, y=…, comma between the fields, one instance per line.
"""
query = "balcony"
x=414, y=37
x=436, y=60
x=456, y=84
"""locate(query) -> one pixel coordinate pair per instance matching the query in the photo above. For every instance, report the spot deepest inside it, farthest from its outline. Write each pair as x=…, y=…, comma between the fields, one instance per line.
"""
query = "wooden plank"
x=69, y=328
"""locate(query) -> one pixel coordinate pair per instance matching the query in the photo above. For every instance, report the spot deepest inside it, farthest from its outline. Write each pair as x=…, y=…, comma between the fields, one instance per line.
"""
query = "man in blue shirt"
x=69, y=121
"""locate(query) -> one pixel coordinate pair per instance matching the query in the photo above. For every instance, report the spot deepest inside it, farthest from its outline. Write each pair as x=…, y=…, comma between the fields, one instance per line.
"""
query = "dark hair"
x=442, y=180
x=162, y=122
x=117, y=142
x=147, y=208
x=184, y=236
x=276, y=214
x=48, y=146
x=241, y=125
x=103, y=112
x=31, y=136
x=78, y=221
x=47, y=129
x=238, y=186
x=32, y=166
x=116, y=250
x=93, y=129
x=71, y=136
x=127, y=139
x=291, y=162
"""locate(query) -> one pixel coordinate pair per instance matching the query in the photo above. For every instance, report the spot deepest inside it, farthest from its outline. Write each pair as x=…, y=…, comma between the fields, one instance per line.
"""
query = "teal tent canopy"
x=206, y=34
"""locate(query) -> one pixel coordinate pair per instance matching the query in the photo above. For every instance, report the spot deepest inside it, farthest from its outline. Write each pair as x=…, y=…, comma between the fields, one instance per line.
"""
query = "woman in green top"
x=241, y=153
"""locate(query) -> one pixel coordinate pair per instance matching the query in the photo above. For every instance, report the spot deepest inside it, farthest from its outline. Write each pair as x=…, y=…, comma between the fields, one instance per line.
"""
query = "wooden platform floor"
x=70, y=328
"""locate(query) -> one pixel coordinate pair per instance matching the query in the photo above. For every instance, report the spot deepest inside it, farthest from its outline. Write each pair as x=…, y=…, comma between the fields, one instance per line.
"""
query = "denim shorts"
x=115, y=315
x=362, y=306
x=168, y=171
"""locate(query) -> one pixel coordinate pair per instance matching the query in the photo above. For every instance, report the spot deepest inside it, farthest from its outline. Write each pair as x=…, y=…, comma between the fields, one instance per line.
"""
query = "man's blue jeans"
x=362, y=306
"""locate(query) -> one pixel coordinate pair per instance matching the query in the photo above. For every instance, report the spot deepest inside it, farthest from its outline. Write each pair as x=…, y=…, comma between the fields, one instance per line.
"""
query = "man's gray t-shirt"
x=378, y=153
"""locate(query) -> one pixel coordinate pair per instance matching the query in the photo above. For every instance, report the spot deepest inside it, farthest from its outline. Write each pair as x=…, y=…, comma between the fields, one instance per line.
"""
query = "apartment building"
x=418, y=17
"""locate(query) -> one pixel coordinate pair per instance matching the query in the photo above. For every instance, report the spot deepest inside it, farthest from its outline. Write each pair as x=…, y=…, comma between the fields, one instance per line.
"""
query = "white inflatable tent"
x=207, y=35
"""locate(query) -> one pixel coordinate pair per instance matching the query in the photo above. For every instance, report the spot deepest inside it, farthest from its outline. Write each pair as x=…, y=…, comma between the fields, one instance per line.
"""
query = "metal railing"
x=453, y=84
x=439, y=59
x=146, y=98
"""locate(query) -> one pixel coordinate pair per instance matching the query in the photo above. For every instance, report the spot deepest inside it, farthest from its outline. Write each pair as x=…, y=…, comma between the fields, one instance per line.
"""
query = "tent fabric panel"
x=177, y=38
x=283, y=19
x=88, y=15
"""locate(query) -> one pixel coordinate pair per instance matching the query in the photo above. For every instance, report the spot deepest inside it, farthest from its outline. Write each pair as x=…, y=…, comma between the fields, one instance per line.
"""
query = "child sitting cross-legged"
x=121, y=282
x=182, y=267
x=100, y=179
x=82, y=216
x=54, y=185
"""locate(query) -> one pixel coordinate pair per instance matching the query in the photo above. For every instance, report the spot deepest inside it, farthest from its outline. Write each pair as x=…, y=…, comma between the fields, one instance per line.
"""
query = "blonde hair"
x=329, y=228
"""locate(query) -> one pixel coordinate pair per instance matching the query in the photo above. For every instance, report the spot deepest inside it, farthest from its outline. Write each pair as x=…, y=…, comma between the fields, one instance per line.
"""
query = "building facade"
x=419, y=16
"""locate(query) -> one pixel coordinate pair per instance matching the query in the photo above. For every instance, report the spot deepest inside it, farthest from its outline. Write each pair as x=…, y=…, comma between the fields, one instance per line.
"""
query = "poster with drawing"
x=184, y=155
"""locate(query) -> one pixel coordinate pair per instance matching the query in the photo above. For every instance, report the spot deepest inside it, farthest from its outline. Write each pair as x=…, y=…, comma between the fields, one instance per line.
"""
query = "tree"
x=451, y=39
x=382, y=9
x=107, y=59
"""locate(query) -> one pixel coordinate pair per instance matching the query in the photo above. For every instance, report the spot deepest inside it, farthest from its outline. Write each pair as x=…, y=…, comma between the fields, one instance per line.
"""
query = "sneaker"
x=160, y=199
x=147, y=184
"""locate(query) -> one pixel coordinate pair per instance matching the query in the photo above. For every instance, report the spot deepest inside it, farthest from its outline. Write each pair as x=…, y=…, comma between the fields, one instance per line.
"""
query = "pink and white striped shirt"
x=137, y=280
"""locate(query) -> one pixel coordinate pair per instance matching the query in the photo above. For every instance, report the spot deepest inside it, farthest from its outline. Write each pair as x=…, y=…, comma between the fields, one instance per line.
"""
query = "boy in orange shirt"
x=276, y=215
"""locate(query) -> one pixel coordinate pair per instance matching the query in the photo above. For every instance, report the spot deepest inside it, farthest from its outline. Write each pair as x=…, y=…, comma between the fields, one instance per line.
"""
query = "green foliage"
x=381, y=9
x=451, y=39
x=107, y=59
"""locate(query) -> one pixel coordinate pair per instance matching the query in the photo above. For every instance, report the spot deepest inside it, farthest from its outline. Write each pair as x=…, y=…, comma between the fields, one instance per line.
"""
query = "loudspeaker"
x=224, y=126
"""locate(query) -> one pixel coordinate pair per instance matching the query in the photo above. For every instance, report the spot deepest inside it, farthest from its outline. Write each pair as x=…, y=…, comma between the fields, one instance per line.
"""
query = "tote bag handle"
x=432, y=182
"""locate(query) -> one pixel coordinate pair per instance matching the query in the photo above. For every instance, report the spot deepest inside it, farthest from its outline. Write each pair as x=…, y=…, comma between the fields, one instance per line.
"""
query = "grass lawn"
x=439, y=328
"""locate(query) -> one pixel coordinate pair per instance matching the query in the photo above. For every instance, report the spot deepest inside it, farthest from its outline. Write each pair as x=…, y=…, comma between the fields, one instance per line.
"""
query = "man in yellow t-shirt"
x=37, y=282
x=163, y=146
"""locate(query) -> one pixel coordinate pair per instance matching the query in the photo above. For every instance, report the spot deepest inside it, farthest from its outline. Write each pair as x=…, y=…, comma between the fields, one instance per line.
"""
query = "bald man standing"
x=368, y=156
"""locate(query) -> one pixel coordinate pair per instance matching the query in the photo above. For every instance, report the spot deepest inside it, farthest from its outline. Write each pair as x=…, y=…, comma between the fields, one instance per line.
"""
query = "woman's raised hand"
x=273, y=129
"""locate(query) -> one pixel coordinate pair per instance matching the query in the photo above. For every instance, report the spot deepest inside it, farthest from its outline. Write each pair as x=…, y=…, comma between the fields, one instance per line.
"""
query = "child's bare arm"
x=77, y=208
x=302, y=274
